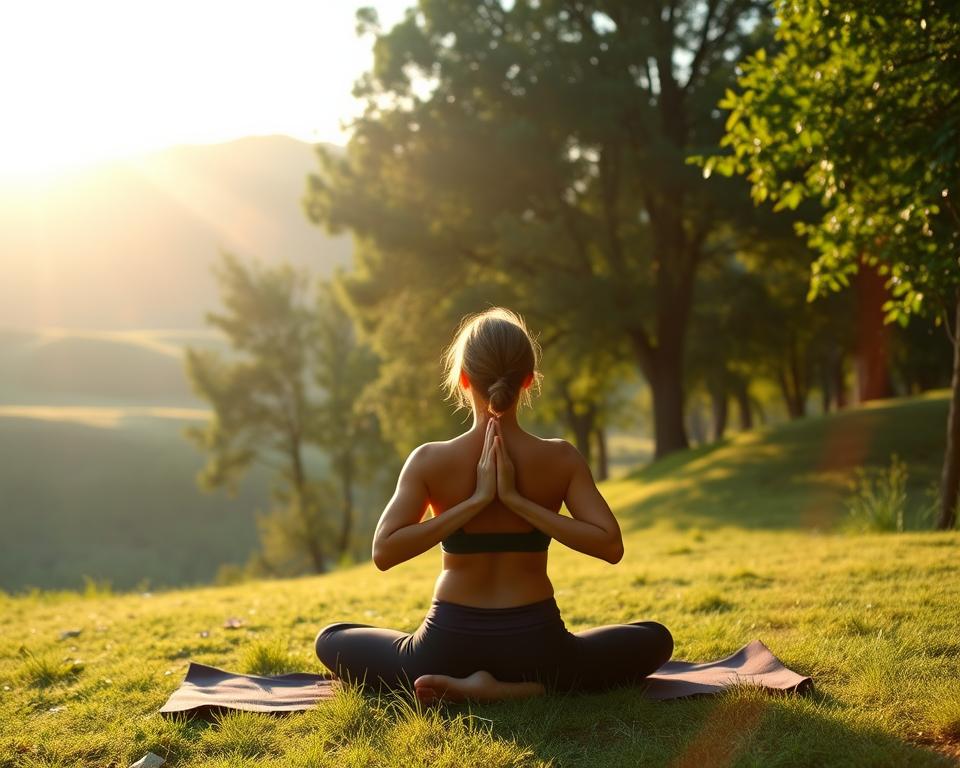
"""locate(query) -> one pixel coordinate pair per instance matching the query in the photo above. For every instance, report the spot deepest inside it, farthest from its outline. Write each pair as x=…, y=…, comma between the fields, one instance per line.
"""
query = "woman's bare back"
x=496, y=579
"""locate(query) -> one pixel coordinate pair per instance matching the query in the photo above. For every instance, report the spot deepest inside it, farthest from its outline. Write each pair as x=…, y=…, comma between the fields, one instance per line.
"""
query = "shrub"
x=879, y=497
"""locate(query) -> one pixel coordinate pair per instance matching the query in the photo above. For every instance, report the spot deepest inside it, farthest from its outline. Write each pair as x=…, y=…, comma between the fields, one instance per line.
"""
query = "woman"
x=494, y=630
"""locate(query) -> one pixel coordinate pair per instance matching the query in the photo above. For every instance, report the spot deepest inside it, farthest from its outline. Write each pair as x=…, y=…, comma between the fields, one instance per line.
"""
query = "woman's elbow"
x=615, y=553
x=380, y=558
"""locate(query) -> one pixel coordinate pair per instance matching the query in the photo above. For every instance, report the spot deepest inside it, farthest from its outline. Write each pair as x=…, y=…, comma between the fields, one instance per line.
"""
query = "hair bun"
x=501, y=394
x=497, y=354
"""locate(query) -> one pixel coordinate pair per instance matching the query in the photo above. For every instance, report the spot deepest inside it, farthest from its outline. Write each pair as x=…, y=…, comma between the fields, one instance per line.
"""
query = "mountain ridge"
x=129, y=244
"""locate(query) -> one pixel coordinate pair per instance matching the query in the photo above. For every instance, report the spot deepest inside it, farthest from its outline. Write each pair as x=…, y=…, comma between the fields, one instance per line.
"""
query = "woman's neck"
x=508, y=421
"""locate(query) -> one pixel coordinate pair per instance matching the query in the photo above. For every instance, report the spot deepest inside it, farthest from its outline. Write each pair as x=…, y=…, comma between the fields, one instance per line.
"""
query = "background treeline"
x=632, y=177
x=544, y=156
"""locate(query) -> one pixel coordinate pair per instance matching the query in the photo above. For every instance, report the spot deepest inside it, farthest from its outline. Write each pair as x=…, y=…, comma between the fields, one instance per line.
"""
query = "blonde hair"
x=496, y=351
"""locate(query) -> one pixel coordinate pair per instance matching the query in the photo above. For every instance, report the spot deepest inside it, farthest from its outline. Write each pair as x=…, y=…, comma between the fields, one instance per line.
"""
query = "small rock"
x=149, y=760
x=204, y=633
x=56, y=709
x=233, y=623
x=68, y=633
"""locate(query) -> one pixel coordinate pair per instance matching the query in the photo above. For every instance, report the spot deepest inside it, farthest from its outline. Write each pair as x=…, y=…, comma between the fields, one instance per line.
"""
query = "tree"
x=584, y=386
x=542, y=145
x=268, y=409
x=345, y=427
x=858, y=111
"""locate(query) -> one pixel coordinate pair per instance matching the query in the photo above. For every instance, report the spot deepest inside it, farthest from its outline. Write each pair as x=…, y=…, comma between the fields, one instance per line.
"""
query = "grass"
x=871, y=617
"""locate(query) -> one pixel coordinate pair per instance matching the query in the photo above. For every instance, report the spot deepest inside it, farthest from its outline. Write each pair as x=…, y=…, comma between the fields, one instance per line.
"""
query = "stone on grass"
x=149, y=760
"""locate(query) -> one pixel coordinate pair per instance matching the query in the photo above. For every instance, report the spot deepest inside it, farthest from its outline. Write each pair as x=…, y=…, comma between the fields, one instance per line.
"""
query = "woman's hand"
x=506, y=475
x=487, y=469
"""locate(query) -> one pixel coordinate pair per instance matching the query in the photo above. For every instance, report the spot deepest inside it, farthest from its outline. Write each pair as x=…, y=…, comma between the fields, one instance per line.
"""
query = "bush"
x=879, y=498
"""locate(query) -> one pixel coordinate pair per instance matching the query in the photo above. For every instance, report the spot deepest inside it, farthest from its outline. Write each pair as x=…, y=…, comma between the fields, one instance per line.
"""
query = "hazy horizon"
x=239, y=70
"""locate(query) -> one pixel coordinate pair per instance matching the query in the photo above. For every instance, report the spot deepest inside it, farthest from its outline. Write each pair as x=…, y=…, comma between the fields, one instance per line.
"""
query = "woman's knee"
x=664, y=641
x=326, y=645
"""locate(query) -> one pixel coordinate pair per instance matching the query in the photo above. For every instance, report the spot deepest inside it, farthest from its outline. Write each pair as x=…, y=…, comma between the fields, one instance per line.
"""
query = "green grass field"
x=723, y=544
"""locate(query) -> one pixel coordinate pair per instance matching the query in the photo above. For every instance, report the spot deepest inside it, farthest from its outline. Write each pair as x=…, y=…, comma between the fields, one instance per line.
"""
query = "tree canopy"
x=856, y=110
x=538, y=149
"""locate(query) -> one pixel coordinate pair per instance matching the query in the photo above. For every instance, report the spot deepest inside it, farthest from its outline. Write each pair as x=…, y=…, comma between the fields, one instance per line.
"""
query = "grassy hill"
x=723, y=545
x=96, y=478
x=114, y=501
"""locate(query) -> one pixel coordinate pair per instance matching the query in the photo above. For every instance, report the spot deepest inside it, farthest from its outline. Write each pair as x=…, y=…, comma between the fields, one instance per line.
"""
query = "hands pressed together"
x=496, y=477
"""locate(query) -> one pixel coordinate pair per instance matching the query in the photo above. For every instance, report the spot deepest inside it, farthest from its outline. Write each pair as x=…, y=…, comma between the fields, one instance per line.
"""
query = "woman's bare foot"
x=480, y=686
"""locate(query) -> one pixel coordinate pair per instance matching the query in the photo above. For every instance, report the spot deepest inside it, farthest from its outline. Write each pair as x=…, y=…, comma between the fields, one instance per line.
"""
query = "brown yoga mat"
x=207, y=690
x=753, y=664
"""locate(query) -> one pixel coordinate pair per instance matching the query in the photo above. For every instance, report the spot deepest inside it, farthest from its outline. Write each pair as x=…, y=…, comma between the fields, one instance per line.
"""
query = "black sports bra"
x=462, y=543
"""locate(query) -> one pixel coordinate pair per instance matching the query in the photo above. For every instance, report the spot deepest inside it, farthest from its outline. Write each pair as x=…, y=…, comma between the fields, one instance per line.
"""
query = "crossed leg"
x=596, y=659
x=593, y=659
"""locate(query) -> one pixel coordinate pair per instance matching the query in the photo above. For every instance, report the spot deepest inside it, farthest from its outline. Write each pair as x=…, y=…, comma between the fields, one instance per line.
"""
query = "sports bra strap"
x=462, y=543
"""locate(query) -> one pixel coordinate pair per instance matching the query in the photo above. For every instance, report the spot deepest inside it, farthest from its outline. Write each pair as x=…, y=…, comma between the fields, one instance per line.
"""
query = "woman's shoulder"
x=428, y=455
x=439, y=451
x=564, y=451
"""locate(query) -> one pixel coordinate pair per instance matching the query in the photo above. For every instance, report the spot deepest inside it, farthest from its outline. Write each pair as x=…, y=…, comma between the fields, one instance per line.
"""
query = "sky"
x=83, y=82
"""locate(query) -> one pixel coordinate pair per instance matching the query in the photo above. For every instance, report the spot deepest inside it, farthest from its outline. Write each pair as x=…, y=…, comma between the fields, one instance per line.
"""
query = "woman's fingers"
x=487, y=442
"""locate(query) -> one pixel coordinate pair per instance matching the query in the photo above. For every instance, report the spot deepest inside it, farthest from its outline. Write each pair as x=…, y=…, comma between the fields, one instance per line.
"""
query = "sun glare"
x=87, y=82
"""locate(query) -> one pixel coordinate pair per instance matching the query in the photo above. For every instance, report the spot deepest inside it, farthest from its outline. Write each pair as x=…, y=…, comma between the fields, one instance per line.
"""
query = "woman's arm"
x=592, y=529
x=400, y=535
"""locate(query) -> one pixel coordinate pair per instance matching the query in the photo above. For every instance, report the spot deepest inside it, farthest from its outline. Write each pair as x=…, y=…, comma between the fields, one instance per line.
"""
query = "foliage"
x=534, y=152
x=858, y=111
x=295, y=381
x=879, y=498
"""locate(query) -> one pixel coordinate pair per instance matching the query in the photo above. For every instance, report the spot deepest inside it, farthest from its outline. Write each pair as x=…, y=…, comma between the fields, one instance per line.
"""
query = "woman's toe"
x=429, y=681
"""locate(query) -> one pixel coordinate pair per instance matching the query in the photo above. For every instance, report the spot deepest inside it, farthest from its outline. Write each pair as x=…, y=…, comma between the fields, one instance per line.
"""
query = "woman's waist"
x=535, y=616
x=482, y=585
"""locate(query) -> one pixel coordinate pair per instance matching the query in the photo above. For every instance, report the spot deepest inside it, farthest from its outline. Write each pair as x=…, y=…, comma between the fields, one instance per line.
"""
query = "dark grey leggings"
x=524, y=643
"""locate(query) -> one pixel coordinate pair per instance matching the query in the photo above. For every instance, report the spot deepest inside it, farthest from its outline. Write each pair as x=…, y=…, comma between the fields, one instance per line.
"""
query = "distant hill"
x=113, y=502
x=96, y=476
x=129, y=244
x=49, y=367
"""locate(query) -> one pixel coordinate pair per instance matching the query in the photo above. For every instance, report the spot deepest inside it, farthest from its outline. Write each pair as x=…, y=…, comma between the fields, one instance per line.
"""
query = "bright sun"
x=85, y=82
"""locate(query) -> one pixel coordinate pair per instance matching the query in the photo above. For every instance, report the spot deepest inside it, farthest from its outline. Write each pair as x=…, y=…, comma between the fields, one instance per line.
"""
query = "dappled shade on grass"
x=791, y=476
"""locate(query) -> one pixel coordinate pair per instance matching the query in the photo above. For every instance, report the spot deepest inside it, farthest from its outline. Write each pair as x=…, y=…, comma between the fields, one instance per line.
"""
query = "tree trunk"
x=873, y=336
x=825, y=391
x=666, y=384
x=793, y=398
x=581, y=424
x=312, y=542
x=603, y=467
x=346, y=489
x=742, y=394
x=839, y=383
x=696, y=426
x=718, y=402
x=950, y=484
